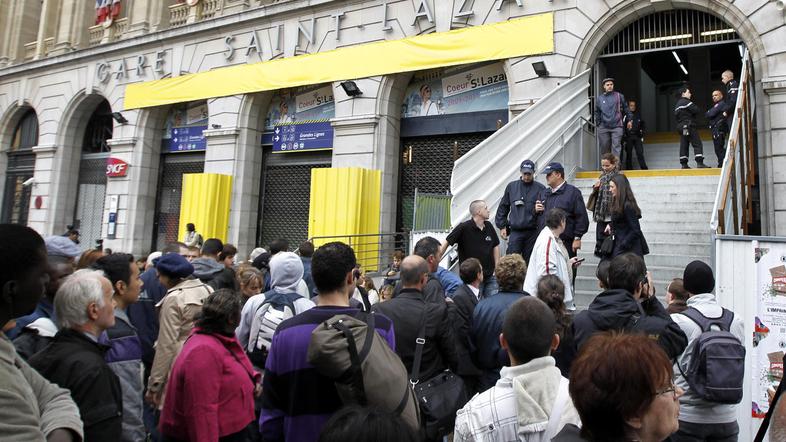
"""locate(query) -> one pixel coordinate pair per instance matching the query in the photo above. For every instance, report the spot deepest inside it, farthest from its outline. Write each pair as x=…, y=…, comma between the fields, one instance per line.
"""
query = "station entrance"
x=654, y=56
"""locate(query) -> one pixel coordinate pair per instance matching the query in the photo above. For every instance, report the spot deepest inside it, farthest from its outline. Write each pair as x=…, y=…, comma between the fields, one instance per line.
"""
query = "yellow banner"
x=513, y=38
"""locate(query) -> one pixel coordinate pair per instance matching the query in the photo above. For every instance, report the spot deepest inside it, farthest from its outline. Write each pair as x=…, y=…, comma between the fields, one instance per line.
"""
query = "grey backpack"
x=717, y=365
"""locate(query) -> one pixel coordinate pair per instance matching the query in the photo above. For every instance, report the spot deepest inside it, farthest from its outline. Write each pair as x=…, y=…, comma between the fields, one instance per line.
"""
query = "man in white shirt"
x=530, y=402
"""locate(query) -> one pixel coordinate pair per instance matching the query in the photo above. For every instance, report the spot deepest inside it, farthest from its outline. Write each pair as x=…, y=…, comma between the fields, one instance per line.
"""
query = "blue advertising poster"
x=303, y=136
x=302, y=104
x=456, y=90
x=184, y=126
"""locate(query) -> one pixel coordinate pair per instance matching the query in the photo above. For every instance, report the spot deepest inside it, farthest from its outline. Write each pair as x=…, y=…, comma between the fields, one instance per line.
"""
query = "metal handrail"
x=738, y=172
x=373, y=255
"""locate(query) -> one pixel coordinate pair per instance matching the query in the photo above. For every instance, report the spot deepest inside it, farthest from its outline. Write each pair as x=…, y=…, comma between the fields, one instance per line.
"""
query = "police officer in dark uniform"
x=634, y=137
x=718, y=125
x=686, y=113
x=732, y=86
x=516, y=219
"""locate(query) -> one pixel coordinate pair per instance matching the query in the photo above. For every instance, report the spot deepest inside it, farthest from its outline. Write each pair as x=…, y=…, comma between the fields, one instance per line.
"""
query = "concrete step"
x=657, y=236
x=653, y=259
x=698, y=249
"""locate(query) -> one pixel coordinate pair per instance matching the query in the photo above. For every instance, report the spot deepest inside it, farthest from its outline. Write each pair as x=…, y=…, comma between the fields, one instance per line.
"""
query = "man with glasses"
x=516, y=218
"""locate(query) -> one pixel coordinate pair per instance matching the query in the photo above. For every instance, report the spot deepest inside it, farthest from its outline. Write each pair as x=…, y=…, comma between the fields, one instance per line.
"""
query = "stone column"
x=233, y=6
x=44, y=186
x=772, y=161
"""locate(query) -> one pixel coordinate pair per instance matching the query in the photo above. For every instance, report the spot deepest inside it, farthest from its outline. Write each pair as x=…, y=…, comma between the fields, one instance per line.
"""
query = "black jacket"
x=75, y=362
x=637, y=128
x=618, y=310
x=432, y=292
x=517, y=207
x=686, y=113
x=406, y=311
x=461, y=309
x=717, y=121
x=569, y=199
x=627, y=233
x=732, y=87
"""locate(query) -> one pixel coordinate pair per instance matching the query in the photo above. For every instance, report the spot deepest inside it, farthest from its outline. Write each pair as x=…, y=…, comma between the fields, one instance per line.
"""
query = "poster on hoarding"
x=184, y=126
x=769, y=333
x=456, y=90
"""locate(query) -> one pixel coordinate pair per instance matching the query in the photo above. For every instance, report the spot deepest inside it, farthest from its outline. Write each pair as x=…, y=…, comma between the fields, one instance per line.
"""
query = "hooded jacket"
x=617, y=309
x=519, y=406
x=214, y=274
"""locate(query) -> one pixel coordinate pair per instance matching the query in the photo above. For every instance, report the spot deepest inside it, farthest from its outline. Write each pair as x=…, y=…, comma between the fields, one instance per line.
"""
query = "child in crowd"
x=392, y=273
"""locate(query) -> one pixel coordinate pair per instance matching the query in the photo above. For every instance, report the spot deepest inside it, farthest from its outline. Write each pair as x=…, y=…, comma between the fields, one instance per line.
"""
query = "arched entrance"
x=19, y=172
x=91, y=182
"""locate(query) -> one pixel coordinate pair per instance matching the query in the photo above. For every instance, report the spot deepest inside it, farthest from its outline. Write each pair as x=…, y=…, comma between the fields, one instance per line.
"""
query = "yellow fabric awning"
x=513, y=38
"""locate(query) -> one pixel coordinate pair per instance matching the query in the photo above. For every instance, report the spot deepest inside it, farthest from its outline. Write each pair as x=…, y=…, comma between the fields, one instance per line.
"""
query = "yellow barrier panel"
x=513, y=38
x=346, y=201
x=205, y=201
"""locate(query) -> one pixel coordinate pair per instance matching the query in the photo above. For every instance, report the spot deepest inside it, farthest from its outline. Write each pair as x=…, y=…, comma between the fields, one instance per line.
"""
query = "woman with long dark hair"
x=625, y=215
x=601, y=213
x=551, y=290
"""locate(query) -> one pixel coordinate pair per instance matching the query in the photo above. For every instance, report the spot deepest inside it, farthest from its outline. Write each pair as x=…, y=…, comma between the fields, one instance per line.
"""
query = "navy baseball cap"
x=527, y=166
x=552, y=167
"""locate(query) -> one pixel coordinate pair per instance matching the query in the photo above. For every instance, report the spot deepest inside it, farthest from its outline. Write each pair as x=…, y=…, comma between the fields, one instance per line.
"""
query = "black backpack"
x=717, y=365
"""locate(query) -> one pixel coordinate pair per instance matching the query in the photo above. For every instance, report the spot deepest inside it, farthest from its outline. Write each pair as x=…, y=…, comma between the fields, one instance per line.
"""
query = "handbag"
x=607, y=247
x=440, y=397
x=593, y=199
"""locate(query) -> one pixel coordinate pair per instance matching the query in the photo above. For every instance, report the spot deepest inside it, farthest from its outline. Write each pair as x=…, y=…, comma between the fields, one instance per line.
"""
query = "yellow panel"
x=205, y=201
x=346, y=201
x=513, y=38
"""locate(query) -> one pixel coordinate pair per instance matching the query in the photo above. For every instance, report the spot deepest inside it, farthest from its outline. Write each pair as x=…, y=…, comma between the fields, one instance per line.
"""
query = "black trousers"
x=522, y=242
x=695, y=141
x=719, y=142
x=630, y=144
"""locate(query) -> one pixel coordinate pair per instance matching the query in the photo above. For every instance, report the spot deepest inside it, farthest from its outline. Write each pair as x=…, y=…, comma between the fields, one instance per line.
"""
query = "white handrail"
x=545, y=130
x=727, y=181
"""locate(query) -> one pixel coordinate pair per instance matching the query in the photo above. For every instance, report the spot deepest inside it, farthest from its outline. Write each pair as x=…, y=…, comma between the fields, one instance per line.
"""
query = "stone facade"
x=71, y=67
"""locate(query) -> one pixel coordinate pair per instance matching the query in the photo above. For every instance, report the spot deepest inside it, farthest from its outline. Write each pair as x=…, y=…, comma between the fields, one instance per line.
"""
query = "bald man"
x=410, y=312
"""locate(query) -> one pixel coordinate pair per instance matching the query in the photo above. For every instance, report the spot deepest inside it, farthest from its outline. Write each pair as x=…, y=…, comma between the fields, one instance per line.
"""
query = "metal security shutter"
x=285, y=197
x=170, y=190
x=89, y=212
x=430, y=169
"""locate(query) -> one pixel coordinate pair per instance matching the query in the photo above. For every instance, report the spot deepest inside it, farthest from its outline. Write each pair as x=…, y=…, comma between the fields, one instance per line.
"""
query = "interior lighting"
x=683, y=69
x=717, y=32
x=666, y=38
x=676, y=57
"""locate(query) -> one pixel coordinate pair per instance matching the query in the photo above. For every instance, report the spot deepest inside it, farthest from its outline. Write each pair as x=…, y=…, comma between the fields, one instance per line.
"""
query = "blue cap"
x=552, y=167
x=174, y=265
x=527, y=166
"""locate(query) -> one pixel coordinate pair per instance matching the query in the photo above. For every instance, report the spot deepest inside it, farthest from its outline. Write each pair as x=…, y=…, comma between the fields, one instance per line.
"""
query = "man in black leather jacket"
x=516, y=218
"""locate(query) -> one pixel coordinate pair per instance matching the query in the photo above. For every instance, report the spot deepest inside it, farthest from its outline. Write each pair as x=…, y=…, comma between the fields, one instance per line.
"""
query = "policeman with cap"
x=610, y=110
x=560, y=194
x=516, y=218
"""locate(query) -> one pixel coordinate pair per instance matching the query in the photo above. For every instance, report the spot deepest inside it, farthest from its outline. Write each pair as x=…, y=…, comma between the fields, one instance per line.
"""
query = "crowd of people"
x=206, y=348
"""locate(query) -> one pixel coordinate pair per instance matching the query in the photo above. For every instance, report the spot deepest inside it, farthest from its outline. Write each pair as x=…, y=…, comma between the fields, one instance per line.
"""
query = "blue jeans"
x=150, y=416
x=489, y=286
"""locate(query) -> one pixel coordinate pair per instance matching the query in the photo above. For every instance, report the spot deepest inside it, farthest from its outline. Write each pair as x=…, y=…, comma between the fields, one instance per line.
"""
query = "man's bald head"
x=413, y=268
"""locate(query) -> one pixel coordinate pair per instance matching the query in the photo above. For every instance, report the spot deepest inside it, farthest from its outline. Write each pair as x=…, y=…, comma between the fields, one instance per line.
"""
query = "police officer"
x=732, y=86
x=516, y=219
x=718, y=125
x=634, y=137
x=686, y=112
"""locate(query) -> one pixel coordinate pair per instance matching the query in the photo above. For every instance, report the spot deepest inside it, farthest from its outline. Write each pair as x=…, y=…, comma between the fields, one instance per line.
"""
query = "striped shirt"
x=297, y=400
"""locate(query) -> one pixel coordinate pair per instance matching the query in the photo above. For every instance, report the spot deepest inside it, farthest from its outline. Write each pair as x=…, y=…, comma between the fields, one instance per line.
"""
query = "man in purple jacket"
x=297, y=400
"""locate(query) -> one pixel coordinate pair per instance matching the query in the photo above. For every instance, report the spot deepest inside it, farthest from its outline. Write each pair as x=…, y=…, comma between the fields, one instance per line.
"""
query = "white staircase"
x=676, y=209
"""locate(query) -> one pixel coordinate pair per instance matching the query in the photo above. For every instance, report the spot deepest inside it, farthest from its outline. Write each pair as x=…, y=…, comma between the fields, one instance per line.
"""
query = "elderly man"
x=31, y=408
x=75, y=360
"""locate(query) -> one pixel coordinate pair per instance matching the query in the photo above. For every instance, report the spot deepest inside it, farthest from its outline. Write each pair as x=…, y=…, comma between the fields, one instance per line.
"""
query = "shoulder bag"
x=440, y=397
x=607, y=247
x=593, y=199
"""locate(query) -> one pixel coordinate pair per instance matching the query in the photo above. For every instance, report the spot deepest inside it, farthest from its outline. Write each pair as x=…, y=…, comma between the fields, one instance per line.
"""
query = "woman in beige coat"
x=176, y=312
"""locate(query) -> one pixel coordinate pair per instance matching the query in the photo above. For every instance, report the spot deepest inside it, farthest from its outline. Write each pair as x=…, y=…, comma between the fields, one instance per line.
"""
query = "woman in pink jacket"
x=211, y=390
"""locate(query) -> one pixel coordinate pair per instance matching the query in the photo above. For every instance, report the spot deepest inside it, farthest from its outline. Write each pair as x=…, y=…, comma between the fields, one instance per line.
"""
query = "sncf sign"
x=116, y=167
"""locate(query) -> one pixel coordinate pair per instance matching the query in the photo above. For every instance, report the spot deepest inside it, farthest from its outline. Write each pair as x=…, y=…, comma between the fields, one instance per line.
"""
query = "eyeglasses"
x=672, y=390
